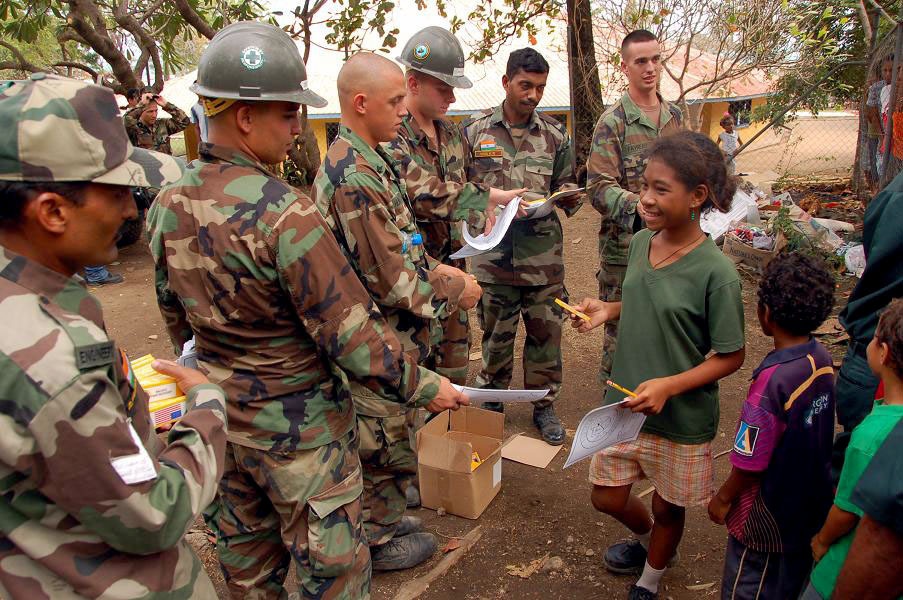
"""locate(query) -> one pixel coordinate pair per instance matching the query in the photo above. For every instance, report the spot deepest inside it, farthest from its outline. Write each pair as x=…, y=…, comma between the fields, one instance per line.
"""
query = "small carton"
x=167, y=411
x=741, y=252
x=445, y=449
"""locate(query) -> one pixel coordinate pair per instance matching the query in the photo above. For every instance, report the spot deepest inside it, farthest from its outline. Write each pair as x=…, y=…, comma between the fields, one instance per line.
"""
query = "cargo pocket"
x=334, y=527
x=539, y=176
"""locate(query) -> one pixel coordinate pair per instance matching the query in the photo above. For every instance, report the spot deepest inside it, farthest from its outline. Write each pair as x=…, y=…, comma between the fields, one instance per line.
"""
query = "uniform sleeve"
x=759, y=430
x=604, y=171
x=179, y=120
x=130, y=117
x=563, y=176
x=174, y=316
x=96, y=468
x=879, y=492
x=338, y=313
x=437, y=200
x=360, y=211
x=726, y=323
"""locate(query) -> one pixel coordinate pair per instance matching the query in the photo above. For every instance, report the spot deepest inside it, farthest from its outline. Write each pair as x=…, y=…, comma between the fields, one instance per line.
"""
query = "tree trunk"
x=587, y=103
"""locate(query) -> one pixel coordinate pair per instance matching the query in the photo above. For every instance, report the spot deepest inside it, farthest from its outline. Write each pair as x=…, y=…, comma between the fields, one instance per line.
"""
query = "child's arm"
x=838, y=524
x=599, y=312
x=738, y=481
x=739, y=141
x=653, y=393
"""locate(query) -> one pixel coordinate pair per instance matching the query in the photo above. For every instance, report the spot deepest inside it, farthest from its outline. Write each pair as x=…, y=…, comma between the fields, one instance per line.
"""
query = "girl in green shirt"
x=681, y=330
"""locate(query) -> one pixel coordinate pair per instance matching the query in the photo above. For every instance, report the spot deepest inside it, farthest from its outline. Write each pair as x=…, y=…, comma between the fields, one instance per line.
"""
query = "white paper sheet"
x=603, y=427
x=485, y=395
x=543, y=206
x=483, y=243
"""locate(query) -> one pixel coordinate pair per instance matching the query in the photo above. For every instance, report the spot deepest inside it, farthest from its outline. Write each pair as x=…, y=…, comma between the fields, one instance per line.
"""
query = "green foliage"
x=356, y=18
x=797, y=241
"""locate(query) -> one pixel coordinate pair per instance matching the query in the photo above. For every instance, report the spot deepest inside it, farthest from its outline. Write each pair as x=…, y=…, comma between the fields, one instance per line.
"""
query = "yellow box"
x=167, y=411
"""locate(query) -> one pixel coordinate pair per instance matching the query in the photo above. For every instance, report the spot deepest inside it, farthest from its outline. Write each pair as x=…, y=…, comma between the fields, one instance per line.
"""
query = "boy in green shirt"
x=832, y=543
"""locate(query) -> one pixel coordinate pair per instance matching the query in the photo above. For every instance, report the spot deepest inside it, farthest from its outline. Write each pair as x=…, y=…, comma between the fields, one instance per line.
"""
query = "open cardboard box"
x=444, y=449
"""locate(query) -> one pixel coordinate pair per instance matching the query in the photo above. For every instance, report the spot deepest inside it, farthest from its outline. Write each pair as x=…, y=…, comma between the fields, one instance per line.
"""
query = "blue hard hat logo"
x=252, y=57
x=421, y=51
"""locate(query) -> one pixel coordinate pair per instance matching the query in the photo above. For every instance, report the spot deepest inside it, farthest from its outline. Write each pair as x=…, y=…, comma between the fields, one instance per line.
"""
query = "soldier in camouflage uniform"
x=362, y=196
x=247, y=265
x=94, y=504
x=516, y=146
x=616, y=163
x=146, y=130
x=432, y=158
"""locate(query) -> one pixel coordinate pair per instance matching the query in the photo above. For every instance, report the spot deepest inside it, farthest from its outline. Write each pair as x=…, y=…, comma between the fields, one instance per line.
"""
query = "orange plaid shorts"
x=683, y=474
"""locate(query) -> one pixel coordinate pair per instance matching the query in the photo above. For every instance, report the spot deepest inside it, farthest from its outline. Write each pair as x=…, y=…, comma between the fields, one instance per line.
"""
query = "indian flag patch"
x=487, y=149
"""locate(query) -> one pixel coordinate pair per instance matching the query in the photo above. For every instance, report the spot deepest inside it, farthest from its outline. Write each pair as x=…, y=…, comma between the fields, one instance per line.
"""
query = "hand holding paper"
x=485, y=242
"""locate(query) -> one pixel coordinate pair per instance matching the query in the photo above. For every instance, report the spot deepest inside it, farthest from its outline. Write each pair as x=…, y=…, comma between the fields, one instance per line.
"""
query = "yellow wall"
x=319, y=127
x=712, y=113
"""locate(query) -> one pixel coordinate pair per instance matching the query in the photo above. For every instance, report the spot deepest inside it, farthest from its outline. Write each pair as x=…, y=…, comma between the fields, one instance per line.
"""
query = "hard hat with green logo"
x=435, y=51
x=254, y=61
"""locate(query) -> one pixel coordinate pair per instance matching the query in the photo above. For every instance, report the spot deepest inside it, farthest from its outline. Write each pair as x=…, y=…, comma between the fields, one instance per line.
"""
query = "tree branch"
x=77, y=65
x=142, y=37
x=194, y=19
x=22, y=63
x=886, y=14
x=80, y=12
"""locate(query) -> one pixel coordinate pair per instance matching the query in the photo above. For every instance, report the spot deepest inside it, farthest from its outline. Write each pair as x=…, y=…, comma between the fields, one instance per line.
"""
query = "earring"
x=692, y=214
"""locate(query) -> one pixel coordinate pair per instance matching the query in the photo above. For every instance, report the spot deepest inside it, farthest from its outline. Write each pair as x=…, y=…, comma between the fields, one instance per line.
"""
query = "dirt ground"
x=539, y=512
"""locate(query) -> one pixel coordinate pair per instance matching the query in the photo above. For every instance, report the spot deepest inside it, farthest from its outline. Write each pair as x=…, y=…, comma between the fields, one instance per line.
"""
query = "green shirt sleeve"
x=726, y=323
x=854, y=463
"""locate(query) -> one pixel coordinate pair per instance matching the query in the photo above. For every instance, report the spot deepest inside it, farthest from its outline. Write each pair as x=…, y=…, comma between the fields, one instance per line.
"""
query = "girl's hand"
x=718, y=510
x=651, y=396
x=599, y=312
x=818, y=548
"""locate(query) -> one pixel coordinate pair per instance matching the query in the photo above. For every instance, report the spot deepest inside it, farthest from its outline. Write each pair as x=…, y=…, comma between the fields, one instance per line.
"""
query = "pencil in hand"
x=621, y=389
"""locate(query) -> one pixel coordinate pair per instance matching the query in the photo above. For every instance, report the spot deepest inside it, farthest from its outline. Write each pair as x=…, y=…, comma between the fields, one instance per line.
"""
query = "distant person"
x=875, y=128
x=729, y=140
x=616, y=162
x=148, y=131
x=779, y=489
x=682, y=331
x=831, y=544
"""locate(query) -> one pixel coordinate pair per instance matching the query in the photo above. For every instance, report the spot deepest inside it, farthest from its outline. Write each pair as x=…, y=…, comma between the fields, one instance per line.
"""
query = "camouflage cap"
x=54, y=128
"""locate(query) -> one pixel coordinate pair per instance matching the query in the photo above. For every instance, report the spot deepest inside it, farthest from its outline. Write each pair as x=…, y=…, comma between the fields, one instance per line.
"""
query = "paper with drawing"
x=483, y=242
x=603, y=427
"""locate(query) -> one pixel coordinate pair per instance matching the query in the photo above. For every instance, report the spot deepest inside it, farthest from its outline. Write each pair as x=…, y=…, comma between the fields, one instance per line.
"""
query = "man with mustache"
x=515, y=146
x=614, y=169
x=362, y=196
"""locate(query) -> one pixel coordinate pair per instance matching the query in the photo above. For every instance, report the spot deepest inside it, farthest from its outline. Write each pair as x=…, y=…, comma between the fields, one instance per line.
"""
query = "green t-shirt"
x=671, y=318
x=864, y=443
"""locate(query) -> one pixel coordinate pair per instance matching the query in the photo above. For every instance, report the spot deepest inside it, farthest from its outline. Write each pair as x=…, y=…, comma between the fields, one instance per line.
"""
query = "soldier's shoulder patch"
x=90, y=356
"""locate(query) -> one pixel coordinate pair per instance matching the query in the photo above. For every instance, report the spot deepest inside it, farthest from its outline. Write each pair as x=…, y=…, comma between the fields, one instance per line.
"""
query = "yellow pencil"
x=572, y=310
x=621, y=389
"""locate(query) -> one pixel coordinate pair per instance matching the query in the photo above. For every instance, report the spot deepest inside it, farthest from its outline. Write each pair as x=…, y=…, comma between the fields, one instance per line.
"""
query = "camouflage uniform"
x=94, y=505
x=247, y=264
x=435, y=172
x=525, y=272
x=362, y=197
x=614, y=175
x=156, y=136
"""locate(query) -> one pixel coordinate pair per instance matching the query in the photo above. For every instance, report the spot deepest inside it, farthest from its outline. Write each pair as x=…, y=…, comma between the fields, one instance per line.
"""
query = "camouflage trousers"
x=276, y=506
x=389, y=466
x=499, y=311
x=611, y=278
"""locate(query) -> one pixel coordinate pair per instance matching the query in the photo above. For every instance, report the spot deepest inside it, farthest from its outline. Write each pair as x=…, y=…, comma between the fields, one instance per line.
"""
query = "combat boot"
x=494, y=407
x=412, y=496
x=403, y=552
x=408, y=525
x=549, y=426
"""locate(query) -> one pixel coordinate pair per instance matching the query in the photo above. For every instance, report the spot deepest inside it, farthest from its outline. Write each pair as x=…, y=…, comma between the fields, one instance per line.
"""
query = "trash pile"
x=757, y=227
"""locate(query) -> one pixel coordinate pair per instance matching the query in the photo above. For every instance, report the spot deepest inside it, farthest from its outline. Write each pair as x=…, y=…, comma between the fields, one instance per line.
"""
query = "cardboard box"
x=741, y=252
x=444, y=451
x=167, y=410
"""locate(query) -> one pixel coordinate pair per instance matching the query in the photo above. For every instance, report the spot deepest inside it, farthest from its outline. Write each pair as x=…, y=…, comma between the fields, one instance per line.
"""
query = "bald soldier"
x=247, y=265
x=92, y=504
x=364, y=199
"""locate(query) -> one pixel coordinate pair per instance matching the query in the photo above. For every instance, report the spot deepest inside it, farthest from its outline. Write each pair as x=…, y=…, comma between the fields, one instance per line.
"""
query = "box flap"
x=529, y=451
x=479, y=421
x=444, y=452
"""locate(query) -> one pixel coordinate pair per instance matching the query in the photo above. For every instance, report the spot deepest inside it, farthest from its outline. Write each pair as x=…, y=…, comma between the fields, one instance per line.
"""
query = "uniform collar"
x=377, y=158
x=211, y=152
x=498, y=116
x=51, y=287
x=632, y=112
x=416, y=134
x=785, y=355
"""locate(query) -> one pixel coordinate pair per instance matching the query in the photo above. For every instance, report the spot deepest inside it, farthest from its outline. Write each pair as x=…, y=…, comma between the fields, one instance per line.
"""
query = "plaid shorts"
x=683, y=474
